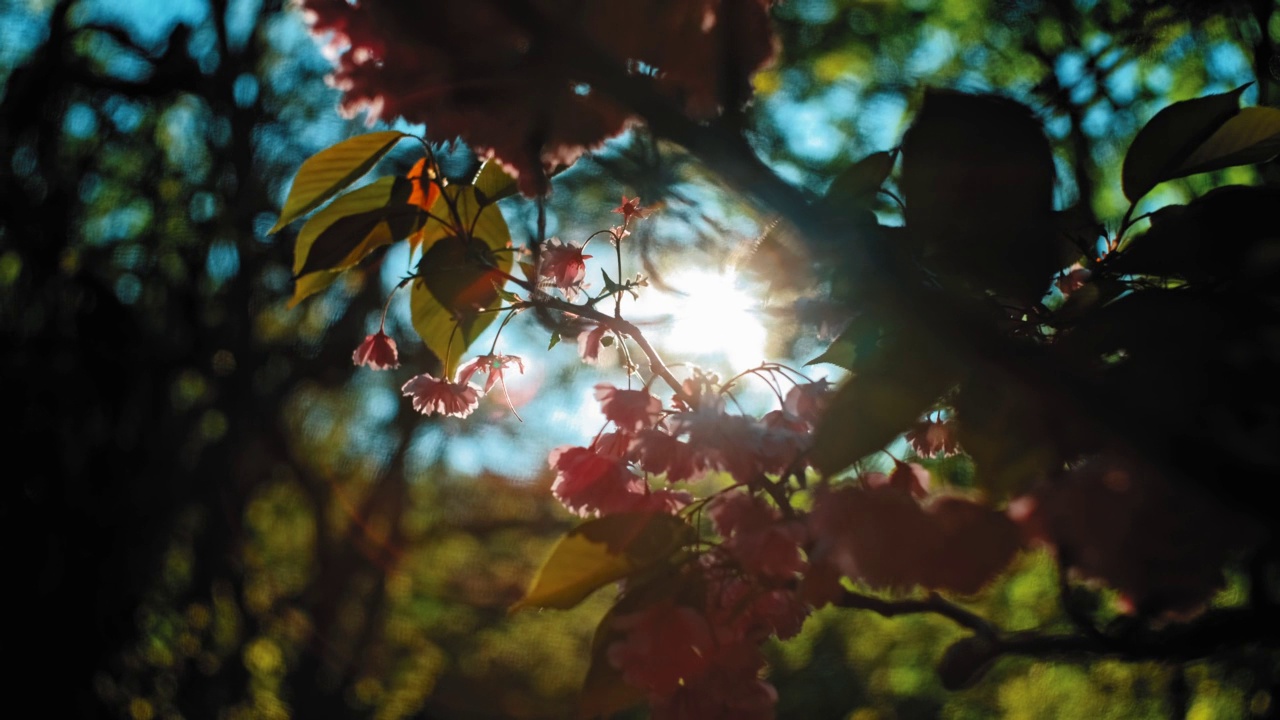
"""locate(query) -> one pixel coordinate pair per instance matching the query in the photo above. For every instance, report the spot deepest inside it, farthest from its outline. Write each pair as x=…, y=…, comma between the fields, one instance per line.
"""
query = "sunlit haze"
x=712, y=320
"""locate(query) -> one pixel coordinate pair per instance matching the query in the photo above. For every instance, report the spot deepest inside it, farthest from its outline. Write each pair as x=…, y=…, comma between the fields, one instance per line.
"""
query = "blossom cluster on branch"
x=801, y=517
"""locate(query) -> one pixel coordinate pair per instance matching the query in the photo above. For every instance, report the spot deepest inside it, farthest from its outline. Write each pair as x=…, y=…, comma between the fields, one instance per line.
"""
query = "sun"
x=711, y=319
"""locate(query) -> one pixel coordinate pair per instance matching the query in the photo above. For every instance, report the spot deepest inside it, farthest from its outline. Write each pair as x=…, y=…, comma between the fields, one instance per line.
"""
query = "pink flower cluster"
x=431, y=395
x=698, y=655
x=489, y=82
x=681, y=444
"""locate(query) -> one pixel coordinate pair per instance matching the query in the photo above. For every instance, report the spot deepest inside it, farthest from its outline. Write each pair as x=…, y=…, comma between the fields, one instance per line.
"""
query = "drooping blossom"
x=883, y=534
x=807, y=401
x=564, y=265
x=432, y=396
x=757, y=537
x=743, y=611
x=631, y=209
x=492, y=365
x=378, y=351
x=664, y=647
x=726, y=442
x=931, y=437
x=630, y=410
x=731, y=689
x=589, y=343
x=784, y=442
x=613, y=445
x=658, y=452
x=588, y=483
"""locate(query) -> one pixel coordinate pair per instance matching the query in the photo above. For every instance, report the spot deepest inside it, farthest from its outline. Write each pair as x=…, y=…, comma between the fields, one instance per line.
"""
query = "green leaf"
x=1170, y=138
x=854, y=343
x=1251, y=136
x=506, y=295
x=602, y=551
x=877, y=404
x=492, y=183
x=859, y=183
x=1221, y=234
x=310, y=284
x=474, y=215
x=555, y=339
x=329, y=171
x=458, y=276
x=341, y=238
x=351, y=227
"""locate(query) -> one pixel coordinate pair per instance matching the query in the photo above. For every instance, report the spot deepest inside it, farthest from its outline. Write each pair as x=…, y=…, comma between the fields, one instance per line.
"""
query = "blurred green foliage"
x=217, y=517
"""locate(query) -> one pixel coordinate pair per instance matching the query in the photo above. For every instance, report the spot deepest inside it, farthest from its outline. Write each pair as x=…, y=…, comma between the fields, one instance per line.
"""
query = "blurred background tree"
x=213, y=515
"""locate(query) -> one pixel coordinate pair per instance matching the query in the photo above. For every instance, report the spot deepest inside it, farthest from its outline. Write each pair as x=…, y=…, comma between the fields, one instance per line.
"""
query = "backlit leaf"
x=310, y=284
x=1169, y=138
x=454, y=281
x=351, y=227
x=859, y=183
x=602, y=551
x=492, y=183
x=853, y=344
x=874, y=406
x=331, y=170
x=341, y=238
x=1251, y=136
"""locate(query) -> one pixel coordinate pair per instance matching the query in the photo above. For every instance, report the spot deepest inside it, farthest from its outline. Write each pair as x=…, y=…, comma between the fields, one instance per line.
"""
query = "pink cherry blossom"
x=492, y=365
x=613, y=445
x=657, y=452
x=730, y=689
x=565, y=266
x=588, y=483
x=432, y=396
x=784, y=442
x=807, y=400
x=589, y=343
x=726, y=442
x=630, y=410
x=931, y=437
x=631, y=209
x=756, y=537
x=665, y=646
x=378, y=351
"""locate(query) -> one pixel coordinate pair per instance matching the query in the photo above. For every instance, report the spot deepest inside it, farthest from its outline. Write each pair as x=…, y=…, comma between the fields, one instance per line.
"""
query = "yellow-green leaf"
x=330, y=171
x=855, y=343
x=342, y=234
x=1171, y=136
x=454, y=281
x=1252, y=136
x=602, y=551
x=475, y=217
x=310, y=284
x=492, y=183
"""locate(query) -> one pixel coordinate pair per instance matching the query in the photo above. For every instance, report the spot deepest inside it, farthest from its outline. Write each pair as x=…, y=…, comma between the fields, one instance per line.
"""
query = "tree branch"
x=957, y=328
